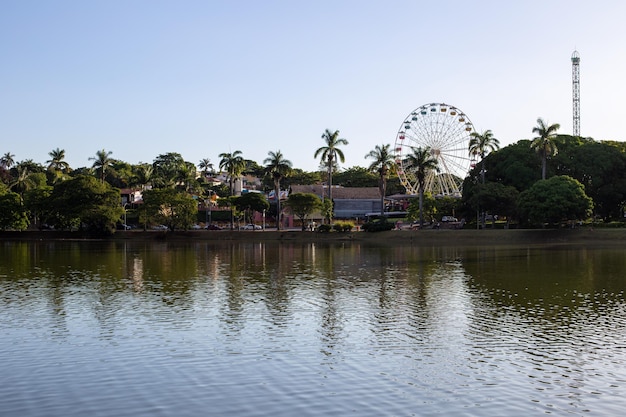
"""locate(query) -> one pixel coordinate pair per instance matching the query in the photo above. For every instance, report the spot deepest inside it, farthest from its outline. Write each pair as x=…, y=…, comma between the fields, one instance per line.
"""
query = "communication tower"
x=576, y=91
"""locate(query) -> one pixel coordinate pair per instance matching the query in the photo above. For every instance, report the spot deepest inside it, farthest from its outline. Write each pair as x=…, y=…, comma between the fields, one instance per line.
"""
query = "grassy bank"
x=582, y=236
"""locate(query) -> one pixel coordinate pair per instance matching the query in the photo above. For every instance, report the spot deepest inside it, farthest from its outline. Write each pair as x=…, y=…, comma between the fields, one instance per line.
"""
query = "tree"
x=142, y=175
x=493, y=197
x=544, y=143
x=481, y=144
x=170, y=207
x=330, y=153
x=13, y=215
x=277, y=167
x=300, y=177
x=383, y=164
x=249, y=203
x=302, y=205
x=428, y=209
x=56, y=161
x=356, y=176
x=22, y=182
x=557, y=199
x=420, y=161
x=7, y=160
x=85, y=203
x=234, y=165
x=169, y=169
x=206, y=166
x=38, y=203
x=512, y=165
x=599, y=167
x=102, y=163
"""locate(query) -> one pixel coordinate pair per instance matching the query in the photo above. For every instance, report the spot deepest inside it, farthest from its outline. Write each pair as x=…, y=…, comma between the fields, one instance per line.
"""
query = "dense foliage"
x=584, y=178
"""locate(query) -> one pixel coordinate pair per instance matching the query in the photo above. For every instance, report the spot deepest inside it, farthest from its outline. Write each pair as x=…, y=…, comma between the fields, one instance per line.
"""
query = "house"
x=130, y=196
x=349, y=202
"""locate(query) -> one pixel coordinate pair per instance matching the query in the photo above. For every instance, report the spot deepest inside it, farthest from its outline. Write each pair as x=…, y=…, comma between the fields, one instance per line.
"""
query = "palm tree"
x=383, y=163
x=329, y=155
x=102, y=162
x=206, y=166
x=421, y=162
x=7, y=160
x=142, y=175
x=187, y=175
x=22, y=181
x=277, y=166
x=481, y=144
x=56, y=161
x=234, y=165
x=544, y=143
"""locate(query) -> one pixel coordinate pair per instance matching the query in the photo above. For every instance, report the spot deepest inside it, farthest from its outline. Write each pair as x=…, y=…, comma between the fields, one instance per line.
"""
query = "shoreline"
x=443, y=237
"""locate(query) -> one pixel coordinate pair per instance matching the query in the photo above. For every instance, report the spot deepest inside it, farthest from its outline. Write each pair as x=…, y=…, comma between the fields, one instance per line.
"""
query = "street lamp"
x=125, y=220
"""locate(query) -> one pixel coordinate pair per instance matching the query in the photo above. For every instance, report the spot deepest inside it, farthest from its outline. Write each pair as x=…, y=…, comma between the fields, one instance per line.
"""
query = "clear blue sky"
x=144, y=77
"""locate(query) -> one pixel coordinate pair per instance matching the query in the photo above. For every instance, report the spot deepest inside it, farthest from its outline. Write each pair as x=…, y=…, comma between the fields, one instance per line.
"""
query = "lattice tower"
x=576, y=92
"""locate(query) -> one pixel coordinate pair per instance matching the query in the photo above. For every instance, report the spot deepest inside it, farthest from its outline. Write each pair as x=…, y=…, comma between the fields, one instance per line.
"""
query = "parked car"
x=159, y=227
x=213, y=227
x=252, y=227
x=446, y=219
x=196, y=227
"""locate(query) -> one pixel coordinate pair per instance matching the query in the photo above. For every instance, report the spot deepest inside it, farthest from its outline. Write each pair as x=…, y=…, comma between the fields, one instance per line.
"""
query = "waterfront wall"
x=582, y=236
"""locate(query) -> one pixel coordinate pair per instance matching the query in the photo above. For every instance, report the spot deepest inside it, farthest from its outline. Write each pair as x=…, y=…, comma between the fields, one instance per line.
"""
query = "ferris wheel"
x=445, y=130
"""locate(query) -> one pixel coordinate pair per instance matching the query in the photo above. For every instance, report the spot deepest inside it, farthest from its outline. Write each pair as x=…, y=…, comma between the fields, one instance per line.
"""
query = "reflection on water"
x=138, y=328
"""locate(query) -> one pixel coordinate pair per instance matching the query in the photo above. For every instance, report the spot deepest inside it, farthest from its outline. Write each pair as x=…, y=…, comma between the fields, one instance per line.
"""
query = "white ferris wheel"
x=445, y=130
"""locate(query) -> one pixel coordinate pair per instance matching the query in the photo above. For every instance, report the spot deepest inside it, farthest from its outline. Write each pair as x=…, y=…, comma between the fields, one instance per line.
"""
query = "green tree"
x=7, y=161
x=22, y=181
x=170, y=207
x=142, y=175
x=300, y=177
x=88, y=204
x=249, y=203
x=494, y=198
x=356, y=176
x=13, y=215
x=102, y=163
x=481, y=144
x=302, y=205
x=277, y=167
x=600, y=167
x=168, y=170
x=330, y=153
x=544, y=143
x=206, y=166
x=234, y=165
x=512, y=165
x=383, y=164
x=555, y=200
x=420, y=161
x=37, y=202
x=57, y=161
x=427, y=210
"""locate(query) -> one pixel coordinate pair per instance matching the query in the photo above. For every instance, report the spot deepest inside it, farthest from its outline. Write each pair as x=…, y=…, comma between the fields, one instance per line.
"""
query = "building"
x=349, y=202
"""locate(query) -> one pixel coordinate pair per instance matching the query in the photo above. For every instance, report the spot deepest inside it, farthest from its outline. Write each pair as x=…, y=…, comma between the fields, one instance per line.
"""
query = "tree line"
x=549, y=179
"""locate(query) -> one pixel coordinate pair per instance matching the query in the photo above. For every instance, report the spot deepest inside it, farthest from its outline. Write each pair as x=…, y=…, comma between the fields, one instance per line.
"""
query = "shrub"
x=380, y=225
x=343, y=226
x=324, y=228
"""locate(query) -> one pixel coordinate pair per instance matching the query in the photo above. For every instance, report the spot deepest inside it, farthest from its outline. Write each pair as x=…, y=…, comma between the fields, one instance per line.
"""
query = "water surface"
x=252, y=329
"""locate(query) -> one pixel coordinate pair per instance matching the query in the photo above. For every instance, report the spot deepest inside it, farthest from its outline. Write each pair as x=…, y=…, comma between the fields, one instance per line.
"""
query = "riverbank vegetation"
x=551, y=180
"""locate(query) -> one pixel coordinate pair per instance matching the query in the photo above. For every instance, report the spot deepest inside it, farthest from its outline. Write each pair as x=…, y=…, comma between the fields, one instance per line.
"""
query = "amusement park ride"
x=446, y=131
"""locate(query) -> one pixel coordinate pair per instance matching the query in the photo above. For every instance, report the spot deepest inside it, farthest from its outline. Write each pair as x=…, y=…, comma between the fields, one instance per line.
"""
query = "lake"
x=133, y=328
